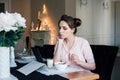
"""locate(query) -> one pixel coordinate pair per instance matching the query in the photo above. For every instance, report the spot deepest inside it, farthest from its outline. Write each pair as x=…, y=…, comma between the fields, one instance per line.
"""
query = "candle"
x=50, y=63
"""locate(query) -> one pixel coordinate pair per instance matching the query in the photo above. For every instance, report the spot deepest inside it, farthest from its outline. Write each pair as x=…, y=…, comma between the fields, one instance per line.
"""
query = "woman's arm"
x=57, y=51
x=85, y=65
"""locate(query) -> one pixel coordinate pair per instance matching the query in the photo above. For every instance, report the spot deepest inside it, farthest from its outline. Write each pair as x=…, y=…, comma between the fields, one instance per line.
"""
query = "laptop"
x=37, y=54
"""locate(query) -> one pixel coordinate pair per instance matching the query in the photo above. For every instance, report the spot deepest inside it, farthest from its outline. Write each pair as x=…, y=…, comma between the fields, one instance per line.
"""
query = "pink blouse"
x=81, y=48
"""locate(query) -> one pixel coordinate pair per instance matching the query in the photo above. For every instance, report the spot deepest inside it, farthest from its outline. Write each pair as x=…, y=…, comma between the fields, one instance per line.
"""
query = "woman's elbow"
x=93, y=67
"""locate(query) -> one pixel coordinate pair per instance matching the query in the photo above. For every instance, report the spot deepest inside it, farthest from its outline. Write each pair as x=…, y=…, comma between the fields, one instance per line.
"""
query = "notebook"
x=31, y=67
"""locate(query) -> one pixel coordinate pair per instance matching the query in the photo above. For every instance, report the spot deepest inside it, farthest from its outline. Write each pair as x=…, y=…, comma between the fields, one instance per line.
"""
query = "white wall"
x=70, y=6
x=96, y=22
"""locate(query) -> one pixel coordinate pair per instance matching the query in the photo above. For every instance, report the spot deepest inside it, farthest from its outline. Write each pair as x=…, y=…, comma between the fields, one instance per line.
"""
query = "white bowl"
x=60, y=65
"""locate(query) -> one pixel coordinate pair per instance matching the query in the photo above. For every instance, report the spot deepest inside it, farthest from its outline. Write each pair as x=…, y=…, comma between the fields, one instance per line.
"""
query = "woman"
x=73, y=50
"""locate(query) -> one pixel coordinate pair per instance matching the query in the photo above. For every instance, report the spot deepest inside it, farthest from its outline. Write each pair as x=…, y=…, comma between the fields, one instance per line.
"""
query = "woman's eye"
x=64, y=28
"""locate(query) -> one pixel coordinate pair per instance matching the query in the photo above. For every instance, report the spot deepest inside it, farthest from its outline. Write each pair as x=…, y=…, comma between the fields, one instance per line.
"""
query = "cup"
x=50, y=63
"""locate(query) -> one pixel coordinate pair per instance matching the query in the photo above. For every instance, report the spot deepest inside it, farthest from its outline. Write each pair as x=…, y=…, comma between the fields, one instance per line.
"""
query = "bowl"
x=60, y=65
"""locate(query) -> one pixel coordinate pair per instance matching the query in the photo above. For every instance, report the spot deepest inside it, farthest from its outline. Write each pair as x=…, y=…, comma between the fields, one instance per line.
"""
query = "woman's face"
x=64, y=30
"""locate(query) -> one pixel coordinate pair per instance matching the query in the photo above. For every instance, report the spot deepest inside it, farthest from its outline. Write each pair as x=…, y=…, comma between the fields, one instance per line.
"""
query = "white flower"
x=11, y=21
x=11, y=28
x=19, y=20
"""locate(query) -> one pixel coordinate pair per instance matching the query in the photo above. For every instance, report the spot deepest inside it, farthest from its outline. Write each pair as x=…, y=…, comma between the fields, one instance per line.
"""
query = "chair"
x=104, y=58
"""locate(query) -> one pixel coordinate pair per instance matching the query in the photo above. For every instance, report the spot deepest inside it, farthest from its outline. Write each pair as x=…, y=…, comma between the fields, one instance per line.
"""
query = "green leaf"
x=11, y=37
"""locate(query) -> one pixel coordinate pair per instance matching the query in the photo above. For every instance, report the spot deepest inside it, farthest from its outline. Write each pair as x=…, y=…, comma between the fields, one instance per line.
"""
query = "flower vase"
x=4, y=62
x=12, y=57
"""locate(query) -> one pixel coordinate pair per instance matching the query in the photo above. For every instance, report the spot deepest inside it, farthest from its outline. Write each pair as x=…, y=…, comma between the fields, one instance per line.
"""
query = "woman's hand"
x=60, y=40
x=75, y=58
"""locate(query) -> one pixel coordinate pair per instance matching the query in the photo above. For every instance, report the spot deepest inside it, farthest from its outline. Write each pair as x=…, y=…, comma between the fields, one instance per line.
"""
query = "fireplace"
x=45, y=31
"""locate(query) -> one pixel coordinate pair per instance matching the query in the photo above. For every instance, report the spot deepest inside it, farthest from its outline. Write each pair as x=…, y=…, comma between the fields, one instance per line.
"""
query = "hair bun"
x=77, y=22
x=63, y=16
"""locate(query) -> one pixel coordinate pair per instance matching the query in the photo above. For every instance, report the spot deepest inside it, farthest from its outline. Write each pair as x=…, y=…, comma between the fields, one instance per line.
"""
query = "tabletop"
x=81, y=75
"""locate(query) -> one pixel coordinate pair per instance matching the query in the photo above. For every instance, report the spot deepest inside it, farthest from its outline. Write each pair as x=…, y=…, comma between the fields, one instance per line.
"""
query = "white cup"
x=50, y=63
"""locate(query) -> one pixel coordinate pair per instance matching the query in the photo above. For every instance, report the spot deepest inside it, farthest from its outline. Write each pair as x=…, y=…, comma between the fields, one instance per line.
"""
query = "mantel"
x=40, y=38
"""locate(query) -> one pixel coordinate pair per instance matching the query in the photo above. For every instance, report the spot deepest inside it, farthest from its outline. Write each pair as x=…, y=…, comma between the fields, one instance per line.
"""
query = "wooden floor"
x=116, y=70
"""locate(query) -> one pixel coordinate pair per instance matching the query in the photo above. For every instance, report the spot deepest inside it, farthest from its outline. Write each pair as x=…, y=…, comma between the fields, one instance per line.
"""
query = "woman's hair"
x=72, y=22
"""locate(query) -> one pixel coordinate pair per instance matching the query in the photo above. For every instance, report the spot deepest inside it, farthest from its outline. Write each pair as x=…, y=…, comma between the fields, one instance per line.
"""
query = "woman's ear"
x=73, y=30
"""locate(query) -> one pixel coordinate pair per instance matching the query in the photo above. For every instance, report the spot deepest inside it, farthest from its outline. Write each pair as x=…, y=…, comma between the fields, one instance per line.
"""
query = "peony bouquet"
x=12, y=26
